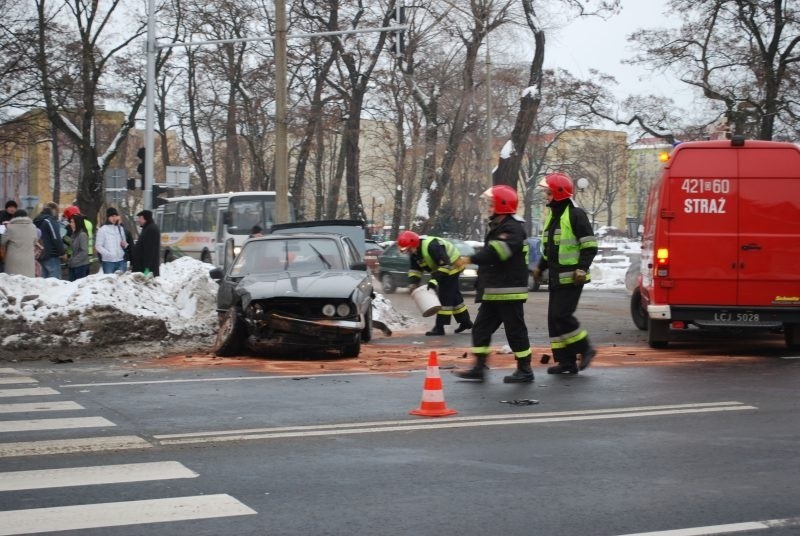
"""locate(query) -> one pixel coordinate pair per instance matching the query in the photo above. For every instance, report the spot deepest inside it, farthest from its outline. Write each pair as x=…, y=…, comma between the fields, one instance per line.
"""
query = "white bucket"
x=427, y=301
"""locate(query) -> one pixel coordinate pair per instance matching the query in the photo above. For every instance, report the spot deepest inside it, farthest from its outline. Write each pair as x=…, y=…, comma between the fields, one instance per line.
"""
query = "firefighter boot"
x=563, y=368
x=463, y=326
x=476, y=373
x=436, y=330
x=523, y=374
x=586, y=357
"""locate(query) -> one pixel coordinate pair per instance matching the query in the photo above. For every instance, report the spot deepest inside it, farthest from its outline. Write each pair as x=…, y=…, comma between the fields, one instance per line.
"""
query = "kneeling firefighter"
x=437, y=255
x=502, y=285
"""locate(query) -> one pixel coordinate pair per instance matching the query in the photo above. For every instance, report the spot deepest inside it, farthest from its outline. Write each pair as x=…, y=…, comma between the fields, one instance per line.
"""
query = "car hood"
x=321, y=284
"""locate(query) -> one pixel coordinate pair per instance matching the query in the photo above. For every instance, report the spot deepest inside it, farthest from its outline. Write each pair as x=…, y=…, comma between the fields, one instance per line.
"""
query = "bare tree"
x=741, y=54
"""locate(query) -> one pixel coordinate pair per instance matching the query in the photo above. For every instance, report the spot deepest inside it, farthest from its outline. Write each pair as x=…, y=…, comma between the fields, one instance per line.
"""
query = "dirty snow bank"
x=42, y=317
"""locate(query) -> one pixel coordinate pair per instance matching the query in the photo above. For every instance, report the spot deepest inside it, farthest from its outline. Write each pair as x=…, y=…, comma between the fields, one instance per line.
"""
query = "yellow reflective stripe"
x=522, y=354
x=433, y=282
x=415, y=273
x=557, y=345
x=588, y=240
x=444, y=312
x=458, y=309
x=505, y=297
x=503, y=250
x=569, y=277
x=449, y=270
x=483, y=350
x=582, y=334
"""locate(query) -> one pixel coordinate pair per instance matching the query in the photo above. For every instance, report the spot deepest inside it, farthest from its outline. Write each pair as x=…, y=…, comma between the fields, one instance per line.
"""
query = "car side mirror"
x=215, y=274
x=358, y=266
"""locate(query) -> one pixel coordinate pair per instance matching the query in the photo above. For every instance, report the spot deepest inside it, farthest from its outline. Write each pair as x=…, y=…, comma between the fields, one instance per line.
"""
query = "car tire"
x=230, y=334
x=791, y=333
x=388, y=284
x=366, y=333
x=657, y=333
x=352, y=350
x=638, y=312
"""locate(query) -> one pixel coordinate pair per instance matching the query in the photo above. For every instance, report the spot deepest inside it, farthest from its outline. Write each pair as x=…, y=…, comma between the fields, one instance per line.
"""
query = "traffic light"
x=141, y=154
x=158, y=201
x=397, y=43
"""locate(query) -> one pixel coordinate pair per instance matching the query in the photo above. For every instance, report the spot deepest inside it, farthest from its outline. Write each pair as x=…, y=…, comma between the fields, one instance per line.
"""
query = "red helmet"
x=558, y=183
x=70, y=211
x=408, y=240
x=504, y=199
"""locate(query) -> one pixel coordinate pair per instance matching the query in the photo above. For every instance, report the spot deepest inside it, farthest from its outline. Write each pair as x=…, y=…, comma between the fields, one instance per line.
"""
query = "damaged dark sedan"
x=305, y=290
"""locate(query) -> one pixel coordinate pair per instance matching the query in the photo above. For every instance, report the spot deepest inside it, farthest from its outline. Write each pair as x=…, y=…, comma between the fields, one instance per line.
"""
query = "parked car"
x=393, y=268
x=534, y=254
x=372, y=252
x=305, y=290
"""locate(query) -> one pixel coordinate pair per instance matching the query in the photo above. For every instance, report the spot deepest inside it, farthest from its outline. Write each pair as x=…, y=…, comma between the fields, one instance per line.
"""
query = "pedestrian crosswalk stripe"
x=118, y=514
x=33, y=391
x=9, y=371
x=87, y=476
x=54, y=424
x=17, y=379
x=64, y=446
x=29, y=407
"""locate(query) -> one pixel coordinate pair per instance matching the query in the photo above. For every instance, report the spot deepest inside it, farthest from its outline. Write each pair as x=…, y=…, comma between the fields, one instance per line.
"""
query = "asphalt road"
x=695, y=436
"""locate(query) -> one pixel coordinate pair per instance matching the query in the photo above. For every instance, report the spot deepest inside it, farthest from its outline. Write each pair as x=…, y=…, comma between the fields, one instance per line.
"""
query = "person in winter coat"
x=79, y=259
x=19, y=240
x=54, y=248
x=502, y=286
x=568, y=248
x=110, y=243
x=146, y=256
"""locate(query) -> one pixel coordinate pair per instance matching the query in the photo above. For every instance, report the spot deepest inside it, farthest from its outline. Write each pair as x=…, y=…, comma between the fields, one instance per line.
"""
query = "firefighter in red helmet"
x=568, y=248
x=502, y=286
x=437, y=255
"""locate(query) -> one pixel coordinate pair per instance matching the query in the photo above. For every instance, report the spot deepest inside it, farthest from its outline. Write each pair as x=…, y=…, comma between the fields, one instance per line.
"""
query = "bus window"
x=182, y=223
x=210, y=216
x=168, y=224
x=196, y=215
x=247, y=212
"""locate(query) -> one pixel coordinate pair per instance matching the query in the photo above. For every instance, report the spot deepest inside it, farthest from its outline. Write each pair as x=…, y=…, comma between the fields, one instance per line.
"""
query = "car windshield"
x=290, y=254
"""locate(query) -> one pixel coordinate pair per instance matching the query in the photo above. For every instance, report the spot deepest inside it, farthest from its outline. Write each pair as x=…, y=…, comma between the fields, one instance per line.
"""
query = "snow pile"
x=105, y=309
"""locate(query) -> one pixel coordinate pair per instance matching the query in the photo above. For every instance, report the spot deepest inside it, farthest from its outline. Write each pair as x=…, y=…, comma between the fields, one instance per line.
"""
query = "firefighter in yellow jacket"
x=437, y=255
x=568, y=248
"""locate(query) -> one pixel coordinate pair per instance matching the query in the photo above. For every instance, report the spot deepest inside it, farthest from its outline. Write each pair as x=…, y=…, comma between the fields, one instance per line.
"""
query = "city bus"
x=199, y=225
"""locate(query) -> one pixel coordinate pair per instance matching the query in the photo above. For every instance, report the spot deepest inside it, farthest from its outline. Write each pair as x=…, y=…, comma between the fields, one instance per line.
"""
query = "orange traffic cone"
x=432, y=404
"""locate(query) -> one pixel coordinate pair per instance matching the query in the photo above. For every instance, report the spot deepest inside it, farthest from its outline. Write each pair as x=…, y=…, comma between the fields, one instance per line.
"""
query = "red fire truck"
x=721, y=242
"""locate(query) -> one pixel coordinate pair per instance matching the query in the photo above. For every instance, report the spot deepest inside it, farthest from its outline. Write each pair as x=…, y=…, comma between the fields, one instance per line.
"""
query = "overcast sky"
x=594, y=43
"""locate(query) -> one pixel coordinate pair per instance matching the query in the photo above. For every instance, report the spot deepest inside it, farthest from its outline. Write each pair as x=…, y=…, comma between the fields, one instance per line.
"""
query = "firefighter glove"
x=580, y=277
x=461, y=262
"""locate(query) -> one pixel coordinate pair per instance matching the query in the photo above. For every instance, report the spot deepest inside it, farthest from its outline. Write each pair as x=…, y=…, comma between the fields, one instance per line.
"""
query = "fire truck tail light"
x=662, y=262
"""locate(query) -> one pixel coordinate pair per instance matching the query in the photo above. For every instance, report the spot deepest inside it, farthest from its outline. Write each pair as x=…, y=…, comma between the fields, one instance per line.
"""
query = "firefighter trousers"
x=511, y=315
x=567, y=339
x=452, y=301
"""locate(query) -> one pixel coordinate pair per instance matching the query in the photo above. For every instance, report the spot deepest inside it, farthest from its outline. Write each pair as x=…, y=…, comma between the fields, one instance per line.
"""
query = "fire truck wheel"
x=791, y=333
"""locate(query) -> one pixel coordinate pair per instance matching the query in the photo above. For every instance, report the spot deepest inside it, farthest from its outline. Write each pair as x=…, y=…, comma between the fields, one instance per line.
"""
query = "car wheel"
x=388, y=284
x=352, y=350
x=791, y=333
x=638, y=312
x=231, y=333
x=658, y=333
x=366, y=333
